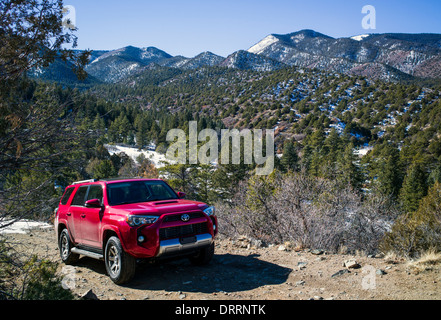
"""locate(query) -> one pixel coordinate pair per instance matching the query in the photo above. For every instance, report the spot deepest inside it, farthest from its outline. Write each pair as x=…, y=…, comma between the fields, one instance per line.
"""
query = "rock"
x=317, y=298
x=301, y=265
x=182, y=296
x=380, y=272
x=351, y=264
x=281, y=248
x=258, y=243
x=89, y=295
x=242, y=242
x=340, y=273
x=317, y=252
x=300, y=283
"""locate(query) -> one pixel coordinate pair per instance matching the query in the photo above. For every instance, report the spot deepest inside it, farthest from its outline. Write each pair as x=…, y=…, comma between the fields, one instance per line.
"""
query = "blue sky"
x=189, y=27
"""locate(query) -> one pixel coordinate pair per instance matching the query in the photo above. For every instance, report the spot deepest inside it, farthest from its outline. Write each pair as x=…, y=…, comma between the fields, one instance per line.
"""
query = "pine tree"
x=290, y=159
x=307, y=157
x=332, y=146
x=350, y=172
x=414, y=187
x=389, y=173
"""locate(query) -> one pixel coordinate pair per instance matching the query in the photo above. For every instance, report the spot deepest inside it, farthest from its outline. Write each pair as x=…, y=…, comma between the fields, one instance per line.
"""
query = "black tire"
x=65, y=246
x=120, y=266
x=203, y=257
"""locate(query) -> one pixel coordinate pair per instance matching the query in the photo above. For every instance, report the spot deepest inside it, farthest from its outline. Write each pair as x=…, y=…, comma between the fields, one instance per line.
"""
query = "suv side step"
x=86, y=253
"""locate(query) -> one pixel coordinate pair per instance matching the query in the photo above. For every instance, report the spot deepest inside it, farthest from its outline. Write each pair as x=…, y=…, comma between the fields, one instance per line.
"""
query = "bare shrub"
x=310, y=212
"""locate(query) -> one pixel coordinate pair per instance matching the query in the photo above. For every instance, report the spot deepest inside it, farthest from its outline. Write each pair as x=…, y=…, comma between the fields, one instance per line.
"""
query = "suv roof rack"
x=85, y=181
x=121, y=178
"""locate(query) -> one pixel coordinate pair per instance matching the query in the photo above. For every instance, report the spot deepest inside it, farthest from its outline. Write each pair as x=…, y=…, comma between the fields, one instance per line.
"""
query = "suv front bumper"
x=176, y=246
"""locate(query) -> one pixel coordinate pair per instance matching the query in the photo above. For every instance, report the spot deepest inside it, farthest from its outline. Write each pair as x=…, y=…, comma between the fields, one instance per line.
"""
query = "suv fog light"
x=141, y=239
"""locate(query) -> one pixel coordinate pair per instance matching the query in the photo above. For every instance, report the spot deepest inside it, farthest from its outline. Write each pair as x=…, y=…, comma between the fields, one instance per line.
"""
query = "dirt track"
x=241, y=273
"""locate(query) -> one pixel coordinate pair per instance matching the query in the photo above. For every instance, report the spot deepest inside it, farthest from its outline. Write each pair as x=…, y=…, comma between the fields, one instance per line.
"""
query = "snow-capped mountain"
x=205, y=59
x=391, y=57
x=116, y=65
x=245, y=60
x=384, y=56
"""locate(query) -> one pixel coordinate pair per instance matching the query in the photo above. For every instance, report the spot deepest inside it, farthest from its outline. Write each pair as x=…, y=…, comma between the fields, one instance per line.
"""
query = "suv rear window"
x=66, y=196
x=80, y=196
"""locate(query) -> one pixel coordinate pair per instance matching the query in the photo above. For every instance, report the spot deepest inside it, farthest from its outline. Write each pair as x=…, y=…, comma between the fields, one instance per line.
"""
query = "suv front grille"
x=183, y=231
x=177, y=217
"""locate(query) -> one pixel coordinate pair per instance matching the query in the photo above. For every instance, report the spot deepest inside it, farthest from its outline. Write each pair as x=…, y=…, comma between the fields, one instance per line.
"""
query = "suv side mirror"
x=182, y=195
x=94, y=203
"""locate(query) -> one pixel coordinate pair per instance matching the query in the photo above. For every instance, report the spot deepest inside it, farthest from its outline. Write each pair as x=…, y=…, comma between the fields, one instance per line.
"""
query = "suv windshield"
x=138, y=191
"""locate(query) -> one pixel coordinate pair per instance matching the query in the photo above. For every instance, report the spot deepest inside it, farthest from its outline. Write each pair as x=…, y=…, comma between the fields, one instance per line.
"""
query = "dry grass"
x=392, y=258
x=429, y=260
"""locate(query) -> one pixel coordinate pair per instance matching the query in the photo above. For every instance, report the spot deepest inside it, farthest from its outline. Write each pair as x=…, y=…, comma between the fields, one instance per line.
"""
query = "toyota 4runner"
x=122, y=221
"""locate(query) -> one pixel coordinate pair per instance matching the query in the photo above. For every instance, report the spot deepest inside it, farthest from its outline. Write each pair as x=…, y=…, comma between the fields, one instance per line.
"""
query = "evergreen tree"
x=414, y=187
x=290, y=159
x=307, y=157
x=388, y=173
x=101, y=169
x=350, y=172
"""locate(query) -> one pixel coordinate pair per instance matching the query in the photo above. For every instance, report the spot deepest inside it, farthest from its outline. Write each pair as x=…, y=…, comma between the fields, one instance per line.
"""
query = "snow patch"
x=21, y=226
x=259, y=47
x=360, y=37
x=156, y=158
x=363, y=151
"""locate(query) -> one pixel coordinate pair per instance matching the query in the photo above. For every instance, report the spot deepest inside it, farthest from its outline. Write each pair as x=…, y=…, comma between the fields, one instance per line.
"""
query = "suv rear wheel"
x=65, y=246
x=120, y=265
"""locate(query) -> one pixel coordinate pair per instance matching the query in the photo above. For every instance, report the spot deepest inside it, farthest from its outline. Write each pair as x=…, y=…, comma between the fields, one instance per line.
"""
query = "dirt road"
x=240, y=271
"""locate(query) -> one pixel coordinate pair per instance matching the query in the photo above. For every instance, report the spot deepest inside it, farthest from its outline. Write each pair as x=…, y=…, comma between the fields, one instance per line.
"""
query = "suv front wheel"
x=120, y=265
x=65, y=246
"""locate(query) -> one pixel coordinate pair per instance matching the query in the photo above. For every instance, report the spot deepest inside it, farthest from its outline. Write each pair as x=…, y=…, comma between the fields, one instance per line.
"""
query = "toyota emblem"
x=185, y=218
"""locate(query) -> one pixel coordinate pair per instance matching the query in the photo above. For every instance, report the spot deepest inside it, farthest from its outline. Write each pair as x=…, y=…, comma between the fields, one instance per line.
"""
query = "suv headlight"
x=210, y=211
x=136, y=221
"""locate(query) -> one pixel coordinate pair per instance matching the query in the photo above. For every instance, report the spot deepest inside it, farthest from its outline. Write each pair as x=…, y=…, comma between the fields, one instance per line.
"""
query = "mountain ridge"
x=387, y=56
x=404, y=53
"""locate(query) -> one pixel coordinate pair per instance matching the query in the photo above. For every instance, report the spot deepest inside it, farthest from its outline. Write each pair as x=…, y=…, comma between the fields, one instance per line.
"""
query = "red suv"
x=121, y=221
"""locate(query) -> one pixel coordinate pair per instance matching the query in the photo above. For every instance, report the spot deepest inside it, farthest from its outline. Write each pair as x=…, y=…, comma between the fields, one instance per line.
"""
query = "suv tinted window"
x=80, y=196
x=95, y=192
x=66, y=196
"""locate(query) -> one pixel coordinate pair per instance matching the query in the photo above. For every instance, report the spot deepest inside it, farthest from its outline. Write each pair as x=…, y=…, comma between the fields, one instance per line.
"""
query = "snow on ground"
x=133, y=153
x=363, y=151
x=21, y=226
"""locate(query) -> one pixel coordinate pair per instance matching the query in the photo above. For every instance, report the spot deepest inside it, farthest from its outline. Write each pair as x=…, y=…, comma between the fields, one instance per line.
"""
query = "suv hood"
x=160, y=207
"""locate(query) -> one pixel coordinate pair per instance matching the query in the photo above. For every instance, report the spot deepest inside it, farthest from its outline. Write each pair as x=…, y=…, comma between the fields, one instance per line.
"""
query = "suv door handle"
x=83, y=215
x=68, y=214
